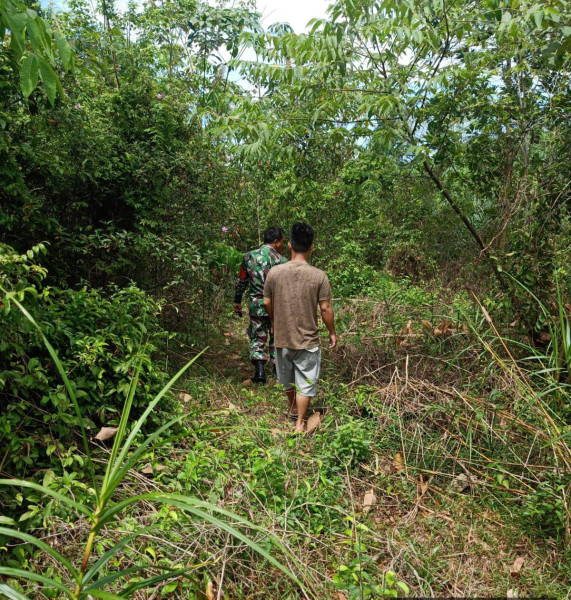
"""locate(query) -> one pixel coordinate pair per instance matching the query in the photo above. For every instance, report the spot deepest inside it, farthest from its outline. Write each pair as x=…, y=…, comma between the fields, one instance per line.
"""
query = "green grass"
x=438, y=535
x=464, y=478
x=310, y=495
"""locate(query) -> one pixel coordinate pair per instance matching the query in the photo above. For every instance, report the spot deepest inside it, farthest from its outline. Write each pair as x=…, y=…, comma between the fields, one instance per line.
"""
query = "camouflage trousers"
x=260, y=337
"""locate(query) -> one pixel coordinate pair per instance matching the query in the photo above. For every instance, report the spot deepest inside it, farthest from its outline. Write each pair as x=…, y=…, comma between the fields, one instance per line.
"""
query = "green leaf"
x=49, y=79
x=64, y=50
x=403, y=586
x=29, y=75
x=34, y=33
x=16, y=23
x=553, y=13
x=28, y=515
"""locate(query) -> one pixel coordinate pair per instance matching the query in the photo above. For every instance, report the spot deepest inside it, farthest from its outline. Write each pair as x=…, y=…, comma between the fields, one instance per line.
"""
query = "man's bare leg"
x=302, y=403
x=290, y=394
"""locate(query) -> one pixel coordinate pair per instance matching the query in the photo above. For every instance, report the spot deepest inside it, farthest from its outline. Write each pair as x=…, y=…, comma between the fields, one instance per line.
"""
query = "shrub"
x=95, y=336
x=92, y=579
x=348, y=445
x=348, y=271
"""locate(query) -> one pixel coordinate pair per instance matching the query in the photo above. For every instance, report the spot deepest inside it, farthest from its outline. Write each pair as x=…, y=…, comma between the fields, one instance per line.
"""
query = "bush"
x=96, y=338
x=348, y=271
x=348, y=445
x=409, y=261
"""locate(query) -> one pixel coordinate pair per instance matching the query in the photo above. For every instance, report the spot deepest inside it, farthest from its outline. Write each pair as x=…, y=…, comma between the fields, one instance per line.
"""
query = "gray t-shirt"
x=296, y=288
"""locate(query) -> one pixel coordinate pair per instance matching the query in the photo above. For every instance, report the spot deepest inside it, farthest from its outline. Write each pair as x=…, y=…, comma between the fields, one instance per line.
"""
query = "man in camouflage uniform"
x=253, y=271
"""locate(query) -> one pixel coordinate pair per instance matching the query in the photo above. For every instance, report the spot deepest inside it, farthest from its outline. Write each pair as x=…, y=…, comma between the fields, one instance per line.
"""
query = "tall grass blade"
x=139, y=585
x=11, y=593
x=113, y=576
x=194, y=506
x=123, y=422
x=565, y=326
x=113, y=480
x=134, y=457
x=31, y=576
x=26, y=537
x=48, y=492
x=105, y=558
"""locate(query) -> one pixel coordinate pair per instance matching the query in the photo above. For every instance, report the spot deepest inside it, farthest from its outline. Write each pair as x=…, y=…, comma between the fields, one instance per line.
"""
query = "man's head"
x=275, y=236
x=301, y=237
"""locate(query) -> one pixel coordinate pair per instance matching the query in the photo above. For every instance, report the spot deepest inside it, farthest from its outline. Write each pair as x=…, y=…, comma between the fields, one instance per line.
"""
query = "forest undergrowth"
x=426, y=475
x=419, y=480
x=437, y=464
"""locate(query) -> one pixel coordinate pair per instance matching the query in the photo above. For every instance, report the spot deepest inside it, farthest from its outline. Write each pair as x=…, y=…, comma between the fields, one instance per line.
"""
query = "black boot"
x=259, y=375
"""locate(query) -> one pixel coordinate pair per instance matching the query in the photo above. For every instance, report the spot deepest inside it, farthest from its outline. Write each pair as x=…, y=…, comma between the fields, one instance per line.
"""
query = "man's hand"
x=329, y=320
x=238, y=310
x=332, y=341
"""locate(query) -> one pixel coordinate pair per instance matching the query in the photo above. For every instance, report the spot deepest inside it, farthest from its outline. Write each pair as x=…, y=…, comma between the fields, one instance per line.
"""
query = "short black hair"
x=301, y=237
x=273, y=234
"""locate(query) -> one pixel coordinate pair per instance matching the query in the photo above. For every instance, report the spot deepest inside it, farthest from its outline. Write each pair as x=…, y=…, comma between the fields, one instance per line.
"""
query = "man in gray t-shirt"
x=292, y=293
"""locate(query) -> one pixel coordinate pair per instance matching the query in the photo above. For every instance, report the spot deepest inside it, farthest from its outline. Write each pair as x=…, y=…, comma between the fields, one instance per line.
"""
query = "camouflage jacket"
x=253, y=271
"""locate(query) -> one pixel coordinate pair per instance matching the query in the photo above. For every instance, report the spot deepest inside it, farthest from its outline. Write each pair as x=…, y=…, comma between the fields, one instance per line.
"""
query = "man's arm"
x=240, y=288
x=329, y=320
x=269, y=307
x=268, y=297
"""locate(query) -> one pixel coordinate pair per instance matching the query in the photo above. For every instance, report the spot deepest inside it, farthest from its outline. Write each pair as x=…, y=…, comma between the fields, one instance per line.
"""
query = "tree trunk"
x=466, y=221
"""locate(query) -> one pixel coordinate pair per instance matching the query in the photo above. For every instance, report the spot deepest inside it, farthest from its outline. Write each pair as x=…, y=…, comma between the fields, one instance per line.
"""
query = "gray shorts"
x=299, y=368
